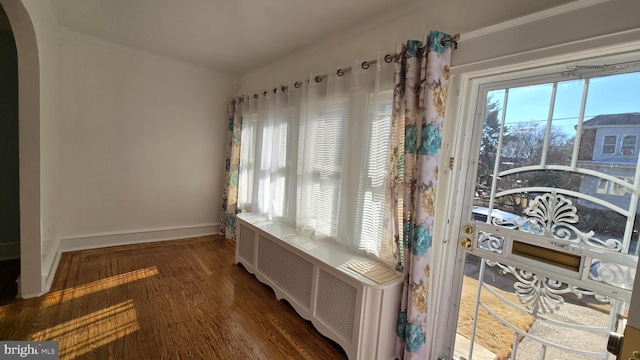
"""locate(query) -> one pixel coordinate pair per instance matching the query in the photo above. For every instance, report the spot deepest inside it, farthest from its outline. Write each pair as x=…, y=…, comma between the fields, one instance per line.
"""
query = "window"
x=602, y=186
x=247, y=156
x=628, y=145
x=609, y=145
x=320, y=174
x=373, y=183
x=319, y=155
x=281, y=178
x=576, y=136
x=266, y=155
x=621, y=190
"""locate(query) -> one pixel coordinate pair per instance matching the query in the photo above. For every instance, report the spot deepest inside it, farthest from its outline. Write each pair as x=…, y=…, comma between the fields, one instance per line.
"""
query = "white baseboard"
x=9, y=251
x=101, y=240
x=47, y=279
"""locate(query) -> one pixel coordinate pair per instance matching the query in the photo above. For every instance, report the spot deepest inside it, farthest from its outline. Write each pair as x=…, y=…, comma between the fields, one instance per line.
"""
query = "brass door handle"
x=466, y=243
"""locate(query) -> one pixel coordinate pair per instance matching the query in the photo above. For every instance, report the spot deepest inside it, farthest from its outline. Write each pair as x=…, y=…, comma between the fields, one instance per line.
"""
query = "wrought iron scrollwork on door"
x=554, y=215
x=539, y=294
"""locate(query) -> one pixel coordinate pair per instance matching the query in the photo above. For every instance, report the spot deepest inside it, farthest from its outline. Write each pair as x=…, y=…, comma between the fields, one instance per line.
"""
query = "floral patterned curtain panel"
x=421, y=79
x=230, y=189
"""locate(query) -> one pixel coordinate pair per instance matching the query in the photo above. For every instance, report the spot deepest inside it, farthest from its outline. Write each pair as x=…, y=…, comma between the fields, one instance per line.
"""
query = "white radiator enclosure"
x=355, y=312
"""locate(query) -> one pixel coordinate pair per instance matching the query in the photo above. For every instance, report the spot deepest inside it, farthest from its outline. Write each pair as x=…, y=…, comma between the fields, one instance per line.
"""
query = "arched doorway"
x=9, y=181
x=30, y=283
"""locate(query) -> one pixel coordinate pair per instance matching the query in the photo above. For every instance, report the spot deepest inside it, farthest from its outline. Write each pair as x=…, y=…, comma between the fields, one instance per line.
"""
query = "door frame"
x=468, y=84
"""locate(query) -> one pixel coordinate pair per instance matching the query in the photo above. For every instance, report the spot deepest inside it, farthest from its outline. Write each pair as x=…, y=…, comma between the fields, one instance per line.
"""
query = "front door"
x=549, y=237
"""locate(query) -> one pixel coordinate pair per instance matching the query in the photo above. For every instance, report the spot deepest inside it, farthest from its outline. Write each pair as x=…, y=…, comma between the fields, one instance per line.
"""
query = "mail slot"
x=547, y=256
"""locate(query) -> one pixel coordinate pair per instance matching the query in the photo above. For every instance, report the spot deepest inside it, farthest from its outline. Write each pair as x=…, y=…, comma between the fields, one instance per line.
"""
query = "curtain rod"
x=453, y=39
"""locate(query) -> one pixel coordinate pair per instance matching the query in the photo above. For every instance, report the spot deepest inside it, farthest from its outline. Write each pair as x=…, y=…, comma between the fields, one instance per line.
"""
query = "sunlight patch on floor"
x=56, y=297
x=86, y=333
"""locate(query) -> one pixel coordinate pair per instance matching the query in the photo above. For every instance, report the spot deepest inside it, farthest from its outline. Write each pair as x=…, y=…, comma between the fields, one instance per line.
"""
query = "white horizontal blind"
x=368, y=129
x=320, y=156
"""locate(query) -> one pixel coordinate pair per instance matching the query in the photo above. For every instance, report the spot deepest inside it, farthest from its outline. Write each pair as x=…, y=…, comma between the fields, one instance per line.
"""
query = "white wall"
x=141, y=144
x=116, y=145
x=364, y=41
x=494, y=33
x=49, y=61
x=565, y=30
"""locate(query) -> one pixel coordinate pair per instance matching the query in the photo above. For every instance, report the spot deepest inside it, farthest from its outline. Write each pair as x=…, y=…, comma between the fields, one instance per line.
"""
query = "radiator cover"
x=289, y=272
x=353, y=311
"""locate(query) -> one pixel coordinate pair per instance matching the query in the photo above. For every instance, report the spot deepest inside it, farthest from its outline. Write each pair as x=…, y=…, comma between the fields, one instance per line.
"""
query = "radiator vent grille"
x=246, y=247
x=336, y=304
x=287, y=270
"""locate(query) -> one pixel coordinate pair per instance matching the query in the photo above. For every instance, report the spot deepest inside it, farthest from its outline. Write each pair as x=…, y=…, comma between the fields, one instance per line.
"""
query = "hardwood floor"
x=182, y=299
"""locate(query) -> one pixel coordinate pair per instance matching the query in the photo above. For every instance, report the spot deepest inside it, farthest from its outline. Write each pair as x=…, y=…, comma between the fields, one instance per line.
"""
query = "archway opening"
x=30, y=281
x=9, y=163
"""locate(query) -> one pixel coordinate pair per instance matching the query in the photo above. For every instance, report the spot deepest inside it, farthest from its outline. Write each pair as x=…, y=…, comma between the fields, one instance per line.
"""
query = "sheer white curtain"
x=371, y=124
x=322, y=132
x=274, y=154
x=247, y=155
x=267, y=164
x=319, y=154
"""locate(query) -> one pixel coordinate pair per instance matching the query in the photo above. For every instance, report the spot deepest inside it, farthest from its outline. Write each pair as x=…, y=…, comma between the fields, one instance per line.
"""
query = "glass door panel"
x=522, y=315
x=550, y=244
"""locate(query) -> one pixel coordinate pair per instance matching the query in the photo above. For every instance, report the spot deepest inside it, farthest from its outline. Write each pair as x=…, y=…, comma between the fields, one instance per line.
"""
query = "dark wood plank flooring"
x=181, y=299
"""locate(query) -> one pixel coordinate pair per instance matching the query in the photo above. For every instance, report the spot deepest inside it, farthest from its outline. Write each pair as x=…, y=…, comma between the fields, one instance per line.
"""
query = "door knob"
x=466, y=243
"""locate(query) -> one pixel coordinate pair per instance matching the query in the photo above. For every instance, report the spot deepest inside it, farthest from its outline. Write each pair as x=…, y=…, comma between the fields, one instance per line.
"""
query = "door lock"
x=466, y=243
x=468, y=229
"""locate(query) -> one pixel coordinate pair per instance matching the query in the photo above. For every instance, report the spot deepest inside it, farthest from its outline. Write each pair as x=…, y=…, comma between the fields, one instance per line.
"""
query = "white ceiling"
x=234, y=36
